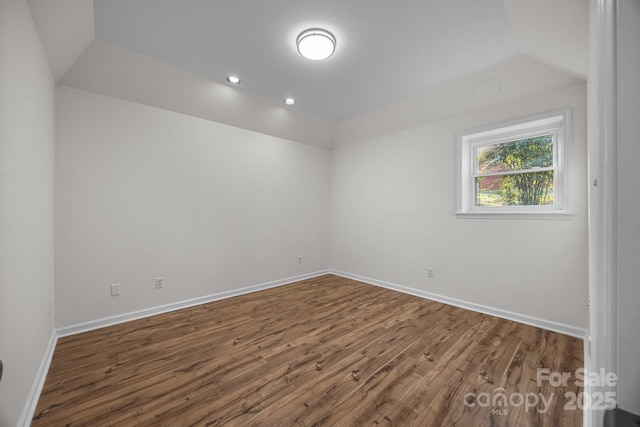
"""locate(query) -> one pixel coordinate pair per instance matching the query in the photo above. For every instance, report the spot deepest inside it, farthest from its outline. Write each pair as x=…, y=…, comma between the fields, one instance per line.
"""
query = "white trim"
x=504, y=314
x=557, y=122
x=509, y=315
x=36, y=389
x=152, y=311
x=38, y=384
x=517, y=215
x=603, y=196
x=587, y=389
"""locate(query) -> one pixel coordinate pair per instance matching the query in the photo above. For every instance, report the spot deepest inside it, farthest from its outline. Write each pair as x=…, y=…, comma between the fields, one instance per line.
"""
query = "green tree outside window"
x=516, y=173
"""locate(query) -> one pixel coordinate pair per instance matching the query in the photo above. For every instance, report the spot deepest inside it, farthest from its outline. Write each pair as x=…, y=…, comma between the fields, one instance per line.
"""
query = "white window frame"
x=558, y=123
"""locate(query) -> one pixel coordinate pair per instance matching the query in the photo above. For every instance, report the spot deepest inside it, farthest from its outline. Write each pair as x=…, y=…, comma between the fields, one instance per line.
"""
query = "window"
x=519, y=169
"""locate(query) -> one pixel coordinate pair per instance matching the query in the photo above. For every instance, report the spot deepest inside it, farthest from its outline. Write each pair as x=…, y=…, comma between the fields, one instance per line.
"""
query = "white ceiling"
x=386, y=50
x=176, y=54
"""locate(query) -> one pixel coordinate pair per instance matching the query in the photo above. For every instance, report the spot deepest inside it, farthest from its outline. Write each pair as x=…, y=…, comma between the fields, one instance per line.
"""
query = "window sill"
x=544, y=215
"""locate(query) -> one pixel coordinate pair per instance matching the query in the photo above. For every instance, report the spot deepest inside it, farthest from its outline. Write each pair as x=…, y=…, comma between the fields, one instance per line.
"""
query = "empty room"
x=337, y=213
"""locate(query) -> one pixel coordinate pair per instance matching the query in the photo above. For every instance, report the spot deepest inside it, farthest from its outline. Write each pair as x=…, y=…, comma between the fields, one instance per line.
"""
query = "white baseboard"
x=509, y=315
x=30, y=406
x=573, y=331
x=36, y=389
x=34, y=395
x=152, y=311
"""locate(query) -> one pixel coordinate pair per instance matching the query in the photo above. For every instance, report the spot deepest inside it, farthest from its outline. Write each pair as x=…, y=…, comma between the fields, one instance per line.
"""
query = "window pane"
x=521, y=189
x=520, y=154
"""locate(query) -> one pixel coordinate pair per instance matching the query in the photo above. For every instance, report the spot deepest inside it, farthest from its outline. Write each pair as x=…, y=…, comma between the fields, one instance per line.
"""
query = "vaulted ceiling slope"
x=386, y=52
x=66, y=28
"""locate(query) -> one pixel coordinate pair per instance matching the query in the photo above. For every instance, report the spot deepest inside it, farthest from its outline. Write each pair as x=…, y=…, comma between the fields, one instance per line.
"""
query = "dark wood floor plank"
x=325, y=351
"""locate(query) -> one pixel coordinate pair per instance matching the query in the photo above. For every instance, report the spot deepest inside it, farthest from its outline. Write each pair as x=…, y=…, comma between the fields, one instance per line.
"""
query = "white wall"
x=26, y=206
x=628, y=131
x=143, y=192
x=393, y=203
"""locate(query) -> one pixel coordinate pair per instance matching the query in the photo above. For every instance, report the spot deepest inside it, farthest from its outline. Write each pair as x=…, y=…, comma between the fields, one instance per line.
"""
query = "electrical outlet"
x=115, y=290
x=299, y=260
x=159, y=283
x=430, y=273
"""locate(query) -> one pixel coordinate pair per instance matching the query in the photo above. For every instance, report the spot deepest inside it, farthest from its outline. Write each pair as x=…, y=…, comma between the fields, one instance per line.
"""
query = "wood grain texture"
x=327, y=351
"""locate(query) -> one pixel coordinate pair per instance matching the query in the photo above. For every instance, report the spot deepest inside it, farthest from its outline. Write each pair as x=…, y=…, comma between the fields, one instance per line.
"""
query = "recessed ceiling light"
x=289, y=101
x=233, y=80
x=316, y=44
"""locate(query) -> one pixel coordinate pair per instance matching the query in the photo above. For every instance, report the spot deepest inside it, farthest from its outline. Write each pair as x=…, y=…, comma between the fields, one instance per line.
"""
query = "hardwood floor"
x=326, y=351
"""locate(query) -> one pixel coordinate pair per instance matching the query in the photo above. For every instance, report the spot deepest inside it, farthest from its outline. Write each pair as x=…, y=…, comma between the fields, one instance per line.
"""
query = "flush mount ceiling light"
x=316, y=44
x=289, y=101
x=233, y=80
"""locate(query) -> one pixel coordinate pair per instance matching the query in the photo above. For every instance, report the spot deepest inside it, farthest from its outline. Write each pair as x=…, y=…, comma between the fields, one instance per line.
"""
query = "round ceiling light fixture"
x=316, y=44
x=289, y=101
x=233, y=80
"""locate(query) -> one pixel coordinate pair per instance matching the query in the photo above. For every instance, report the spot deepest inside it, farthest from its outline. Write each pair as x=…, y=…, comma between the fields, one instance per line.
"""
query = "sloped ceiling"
x=387, y=52
x=552, y=31
x=66, y=28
